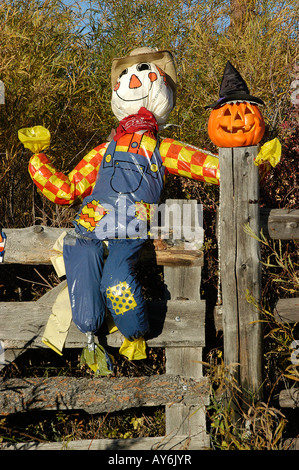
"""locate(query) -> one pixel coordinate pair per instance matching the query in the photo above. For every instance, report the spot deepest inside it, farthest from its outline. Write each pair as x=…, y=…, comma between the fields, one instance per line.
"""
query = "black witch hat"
x=233, y=88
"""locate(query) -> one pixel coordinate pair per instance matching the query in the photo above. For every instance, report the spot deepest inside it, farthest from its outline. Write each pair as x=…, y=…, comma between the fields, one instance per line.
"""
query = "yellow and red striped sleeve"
x=184, y=160
x=65, y=189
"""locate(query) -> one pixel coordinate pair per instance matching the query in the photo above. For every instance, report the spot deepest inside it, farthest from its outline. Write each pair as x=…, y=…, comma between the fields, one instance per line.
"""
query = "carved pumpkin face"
x=238, y=124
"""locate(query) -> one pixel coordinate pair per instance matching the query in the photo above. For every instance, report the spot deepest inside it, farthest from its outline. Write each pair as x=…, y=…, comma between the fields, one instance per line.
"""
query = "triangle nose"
x=134, y=82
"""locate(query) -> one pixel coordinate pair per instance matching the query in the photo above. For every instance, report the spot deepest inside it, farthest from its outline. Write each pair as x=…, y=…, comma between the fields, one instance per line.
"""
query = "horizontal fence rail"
x=177, y=324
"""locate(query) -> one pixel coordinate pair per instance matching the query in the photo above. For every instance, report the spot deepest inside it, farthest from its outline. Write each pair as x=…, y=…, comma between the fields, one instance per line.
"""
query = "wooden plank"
x=22, y=324
x=183, y=325
x=97, y=395
x=183, y=418
x=31, y=245
x=186, y=418
x=34, y=245
x=184, y=361
x=227, y=245
x=289, y=398
x=218, y=318
x=280, y=224
x=248, y=269
x=182, y=282
x=287, y=310
x=172, y=443
x=177, y=257
x=240, y=264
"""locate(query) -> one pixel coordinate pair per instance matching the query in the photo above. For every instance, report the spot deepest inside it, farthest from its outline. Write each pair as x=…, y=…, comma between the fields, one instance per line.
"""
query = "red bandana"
x=144, y=120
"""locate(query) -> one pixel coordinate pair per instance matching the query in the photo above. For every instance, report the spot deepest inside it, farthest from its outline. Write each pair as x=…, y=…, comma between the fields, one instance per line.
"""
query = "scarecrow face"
x=236, y=125
x=135, y=82
x=142, y=84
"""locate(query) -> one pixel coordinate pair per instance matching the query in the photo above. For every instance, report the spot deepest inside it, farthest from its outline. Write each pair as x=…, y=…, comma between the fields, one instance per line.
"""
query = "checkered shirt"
x=178, y=158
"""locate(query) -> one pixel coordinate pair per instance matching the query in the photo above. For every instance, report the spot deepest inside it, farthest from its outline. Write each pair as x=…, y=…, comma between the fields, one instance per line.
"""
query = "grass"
x=76, y=424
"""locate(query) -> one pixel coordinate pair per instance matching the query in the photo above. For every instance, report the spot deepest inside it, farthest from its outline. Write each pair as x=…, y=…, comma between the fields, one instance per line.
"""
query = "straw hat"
x=162, y=59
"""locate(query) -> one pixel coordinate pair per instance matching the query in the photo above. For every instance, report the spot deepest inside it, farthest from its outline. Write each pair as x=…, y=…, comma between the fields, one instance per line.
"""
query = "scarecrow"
x=116, y=183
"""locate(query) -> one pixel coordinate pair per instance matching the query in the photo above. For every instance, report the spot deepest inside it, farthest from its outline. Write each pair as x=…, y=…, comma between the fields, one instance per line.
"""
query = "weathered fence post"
x=240, y=267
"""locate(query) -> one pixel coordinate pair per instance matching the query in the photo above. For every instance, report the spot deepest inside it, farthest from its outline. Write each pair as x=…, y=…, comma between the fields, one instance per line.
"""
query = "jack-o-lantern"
x=236, y=125
x=235, y=119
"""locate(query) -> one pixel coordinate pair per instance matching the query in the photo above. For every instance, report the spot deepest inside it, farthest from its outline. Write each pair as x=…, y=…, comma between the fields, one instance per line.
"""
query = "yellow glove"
x=269, y=152
x=35, y=138
x=133, y=350
x=98, y=360
x=59, y=322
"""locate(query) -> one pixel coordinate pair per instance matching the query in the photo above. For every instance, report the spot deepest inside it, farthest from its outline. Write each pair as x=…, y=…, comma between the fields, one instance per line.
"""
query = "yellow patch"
x=144, y=210
x=121, y=298
x=90, y=215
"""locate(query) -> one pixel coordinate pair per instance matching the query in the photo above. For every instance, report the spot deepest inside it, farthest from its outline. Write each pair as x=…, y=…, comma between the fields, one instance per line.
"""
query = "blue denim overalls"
x=124, y=180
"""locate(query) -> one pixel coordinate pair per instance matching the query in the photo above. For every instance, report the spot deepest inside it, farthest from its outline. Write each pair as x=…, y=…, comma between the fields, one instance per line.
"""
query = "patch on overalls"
x=144, y=210
x=121, y=298
x=90, y=215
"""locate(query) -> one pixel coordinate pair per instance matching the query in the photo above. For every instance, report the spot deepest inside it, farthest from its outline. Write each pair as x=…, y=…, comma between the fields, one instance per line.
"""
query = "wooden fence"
x=178, y=322
x=239, y=259
x=240, y=268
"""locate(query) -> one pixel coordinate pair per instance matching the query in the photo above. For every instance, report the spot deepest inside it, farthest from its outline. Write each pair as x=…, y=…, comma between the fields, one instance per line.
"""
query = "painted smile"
x=135, y=99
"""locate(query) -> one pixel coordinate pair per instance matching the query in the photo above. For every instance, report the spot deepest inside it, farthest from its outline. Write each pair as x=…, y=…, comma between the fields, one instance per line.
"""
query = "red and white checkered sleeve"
x=185, y=160
x=65, y=189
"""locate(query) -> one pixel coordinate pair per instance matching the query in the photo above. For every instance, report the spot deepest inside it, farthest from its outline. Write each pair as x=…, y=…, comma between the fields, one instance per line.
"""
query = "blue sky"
x=84, y=3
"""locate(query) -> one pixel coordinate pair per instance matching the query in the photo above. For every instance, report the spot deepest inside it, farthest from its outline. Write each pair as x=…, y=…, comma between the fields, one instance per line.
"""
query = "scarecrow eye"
x=143, y=66
x=123, y=73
